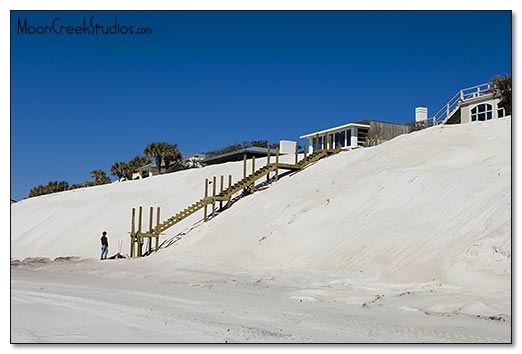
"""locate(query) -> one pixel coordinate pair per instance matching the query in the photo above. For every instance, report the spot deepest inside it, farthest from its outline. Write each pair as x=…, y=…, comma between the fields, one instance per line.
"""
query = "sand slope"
x=430, y=205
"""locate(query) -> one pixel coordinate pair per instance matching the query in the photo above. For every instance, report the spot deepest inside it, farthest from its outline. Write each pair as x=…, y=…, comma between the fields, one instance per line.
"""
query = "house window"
x=318, y=142
x=339, y=139
x=482, y=112
x=500, y=112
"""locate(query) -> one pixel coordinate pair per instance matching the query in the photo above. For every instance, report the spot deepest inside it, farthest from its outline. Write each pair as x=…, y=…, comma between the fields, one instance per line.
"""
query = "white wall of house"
x=354, y=137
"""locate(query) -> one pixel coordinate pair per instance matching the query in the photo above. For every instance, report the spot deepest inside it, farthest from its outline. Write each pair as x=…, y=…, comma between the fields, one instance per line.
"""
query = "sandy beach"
x=405, y=242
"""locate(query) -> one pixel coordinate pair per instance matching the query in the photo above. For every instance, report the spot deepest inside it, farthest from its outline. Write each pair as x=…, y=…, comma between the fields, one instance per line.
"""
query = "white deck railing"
x=454, y=103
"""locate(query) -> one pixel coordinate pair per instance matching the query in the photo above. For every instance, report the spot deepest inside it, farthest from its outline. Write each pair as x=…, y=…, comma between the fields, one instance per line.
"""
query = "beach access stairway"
x=244, y=186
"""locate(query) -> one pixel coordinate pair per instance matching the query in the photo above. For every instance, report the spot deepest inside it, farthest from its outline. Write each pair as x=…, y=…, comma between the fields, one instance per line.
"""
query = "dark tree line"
x=99, y=177
x=51, y=187
x=166, y=156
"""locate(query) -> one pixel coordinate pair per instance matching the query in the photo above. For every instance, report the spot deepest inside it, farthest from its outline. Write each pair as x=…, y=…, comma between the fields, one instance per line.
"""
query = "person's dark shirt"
x=104, y=241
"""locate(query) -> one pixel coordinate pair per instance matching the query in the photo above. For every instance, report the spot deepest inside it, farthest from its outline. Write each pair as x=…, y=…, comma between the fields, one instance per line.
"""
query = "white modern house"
x=347, y=136
x=353, y=135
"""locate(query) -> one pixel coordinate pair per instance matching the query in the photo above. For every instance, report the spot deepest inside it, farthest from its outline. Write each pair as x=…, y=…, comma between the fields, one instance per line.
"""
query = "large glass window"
x=482, y=112
x=339, y=139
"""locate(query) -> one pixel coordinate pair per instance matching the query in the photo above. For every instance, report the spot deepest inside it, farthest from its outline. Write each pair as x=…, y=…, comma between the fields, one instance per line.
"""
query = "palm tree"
x=171, y=154
x=163, y=152
x=100, y=177
x=154, y=150
x=120, y=170
x=135, y=164
x=502, y=90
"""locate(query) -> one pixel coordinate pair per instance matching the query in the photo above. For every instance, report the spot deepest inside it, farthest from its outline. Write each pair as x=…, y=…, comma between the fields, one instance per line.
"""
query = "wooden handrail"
x=224, y=195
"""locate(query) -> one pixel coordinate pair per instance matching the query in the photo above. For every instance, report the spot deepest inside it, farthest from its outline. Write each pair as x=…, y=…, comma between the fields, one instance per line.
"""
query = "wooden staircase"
x=246, y=185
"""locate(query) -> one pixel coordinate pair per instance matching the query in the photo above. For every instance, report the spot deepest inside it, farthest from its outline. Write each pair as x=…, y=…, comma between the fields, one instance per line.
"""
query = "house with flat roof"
x=237, y=155
x=204, y=159
x=353, y=135
x=285, y=147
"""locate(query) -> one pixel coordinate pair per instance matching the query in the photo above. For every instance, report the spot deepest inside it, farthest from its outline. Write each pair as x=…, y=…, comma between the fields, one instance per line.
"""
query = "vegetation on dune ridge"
x=502, y=90
x=167, y=157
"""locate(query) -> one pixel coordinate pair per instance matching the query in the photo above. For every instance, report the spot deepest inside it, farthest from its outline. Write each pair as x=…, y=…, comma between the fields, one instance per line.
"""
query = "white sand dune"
x=429, y=205
x=419, y=224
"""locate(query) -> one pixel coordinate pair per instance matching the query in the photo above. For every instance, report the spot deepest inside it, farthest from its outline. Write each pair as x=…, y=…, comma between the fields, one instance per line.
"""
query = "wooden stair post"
x=205, y=215
x=277, y=165
x=244, y=165
x=133, y=231
x=157, y=225
x=268, y=163
x=213, y=197
x=140, y=215
x=229, y=191
x=253, y=171
x=221, y=191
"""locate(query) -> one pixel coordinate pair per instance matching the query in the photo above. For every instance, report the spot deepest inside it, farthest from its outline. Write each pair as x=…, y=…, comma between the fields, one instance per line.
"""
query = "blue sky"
x=204, y=80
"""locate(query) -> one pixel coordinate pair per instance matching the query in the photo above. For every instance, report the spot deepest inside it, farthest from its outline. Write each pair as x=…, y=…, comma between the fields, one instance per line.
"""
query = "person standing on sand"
x=104, y=245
